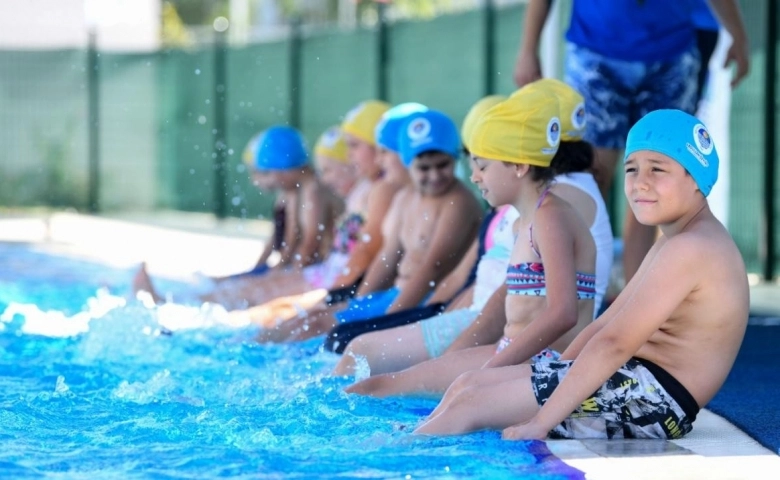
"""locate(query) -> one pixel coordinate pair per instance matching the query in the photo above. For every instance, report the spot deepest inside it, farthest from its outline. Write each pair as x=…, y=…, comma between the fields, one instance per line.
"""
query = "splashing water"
x=94, y=384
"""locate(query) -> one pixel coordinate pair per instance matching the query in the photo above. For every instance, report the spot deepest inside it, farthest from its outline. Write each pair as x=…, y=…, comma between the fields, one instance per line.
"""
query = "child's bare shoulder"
x=383, y=192
x=558, y=214
x=704, y=239
x=461, y=198
x=705, y=254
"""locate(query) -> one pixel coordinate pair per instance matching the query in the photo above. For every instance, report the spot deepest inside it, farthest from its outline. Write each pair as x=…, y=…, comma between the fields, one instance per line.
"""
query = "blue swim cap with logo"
x=682, y=137
x=280, y=148
x=386, y=132
x=427, y=131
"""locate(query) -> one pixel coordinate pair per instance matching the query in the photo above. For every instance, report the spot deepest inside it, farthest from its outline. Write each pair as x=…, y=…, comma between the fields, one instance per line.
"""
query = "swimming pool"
x=91, y=384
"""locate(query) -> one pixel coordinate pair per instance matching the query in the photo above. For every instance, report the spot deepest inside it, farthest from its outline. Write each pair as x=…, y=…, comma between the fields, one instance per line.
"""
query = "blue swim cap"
x=386, y=131
x=682, y=137
x=280, y=148
x=426, y=131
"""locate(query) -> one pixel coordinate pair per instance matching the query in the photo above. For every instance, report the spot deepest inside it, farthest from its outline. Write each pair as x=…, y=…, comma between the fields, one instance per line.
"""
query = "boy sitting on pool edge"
x=664, y=348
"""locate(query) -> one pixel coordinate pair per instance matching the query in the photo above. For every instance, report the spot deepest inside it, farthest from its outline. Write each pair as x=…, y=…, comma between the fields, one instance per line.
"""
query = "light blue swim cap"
x=430, y=130
x=386, y=131
x=280, y=148
x=682, y=137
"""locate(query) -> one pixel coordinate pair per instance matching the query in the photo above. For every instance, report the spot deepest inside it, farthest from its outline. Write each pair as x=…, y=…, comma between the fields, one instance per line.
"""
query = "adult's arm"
x=527, y=66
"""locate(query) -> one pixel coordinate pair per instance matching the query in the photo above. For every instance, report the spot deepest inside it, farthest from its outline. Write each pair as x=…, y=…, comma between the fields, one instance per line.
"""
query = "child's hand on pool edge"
x=525, y=431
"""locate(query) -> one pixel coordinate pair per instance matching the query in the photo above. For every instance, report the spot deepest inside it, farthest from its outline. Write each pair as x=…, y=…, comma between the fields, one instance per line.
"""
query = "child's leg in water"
x=309, y=324
x=385, y=350
x=430, y=377
x=142, y=282
x=488, y=398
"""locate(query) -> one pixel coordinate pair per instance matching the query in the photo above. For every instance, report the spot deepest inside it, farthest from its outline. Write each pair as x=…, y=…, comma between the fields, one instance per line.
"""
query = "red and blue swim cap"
x=682, y=137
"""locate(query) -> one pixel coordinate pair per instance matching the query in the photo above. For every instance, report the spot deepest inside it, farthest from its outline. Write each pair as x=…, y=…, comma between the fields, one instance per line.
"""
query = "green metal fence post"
x=489, y=46
x=383, y=56
x=220, y=125
x=295, y=73
x=93, y=122
x=770, y=142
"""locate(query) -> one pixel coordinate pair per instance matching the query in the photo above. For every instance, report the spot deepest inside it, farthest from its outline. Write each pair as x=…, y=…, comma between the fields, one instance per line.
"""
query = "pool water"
x=92, y=384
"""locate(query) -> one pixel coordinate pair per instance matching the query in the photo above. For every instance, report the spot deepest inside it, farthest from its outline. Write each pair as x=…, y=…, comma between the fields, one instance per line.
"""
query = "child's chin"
x=647, y=220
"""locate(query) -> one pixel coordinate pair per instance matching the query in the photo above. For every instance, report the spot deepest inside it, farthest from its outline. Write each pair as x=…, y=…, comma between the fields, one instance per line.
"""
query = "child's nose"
x=642, y=180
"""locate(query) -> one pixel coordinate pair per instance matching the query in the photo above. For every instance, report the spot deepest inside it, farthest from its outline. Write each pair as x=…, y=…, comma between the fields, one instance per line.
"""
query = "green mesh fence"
x=43, y=130
x=747, y=140
x=338, y=71
x=127, y=113
x=257, y=96
x=157, y=111
x=446, y=75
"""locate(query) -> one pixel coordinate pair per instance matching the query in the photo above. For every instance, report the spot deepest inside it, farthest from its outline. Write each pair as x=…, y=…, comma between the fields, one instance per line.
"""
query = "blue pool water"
x=90, y=387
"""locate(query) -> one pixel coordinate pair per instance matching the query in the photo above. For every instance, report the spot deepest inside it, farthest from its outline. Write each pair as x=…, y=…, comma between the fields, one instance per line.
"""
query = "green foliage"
x=203, y=12
x=200, y=12
x=49, y=184
x=413, y=8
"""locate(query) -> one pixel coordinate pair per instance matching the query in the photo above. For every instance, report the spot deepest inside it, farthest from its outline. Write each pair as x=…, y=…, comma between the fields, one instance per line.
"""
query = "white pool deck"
x=176, y=244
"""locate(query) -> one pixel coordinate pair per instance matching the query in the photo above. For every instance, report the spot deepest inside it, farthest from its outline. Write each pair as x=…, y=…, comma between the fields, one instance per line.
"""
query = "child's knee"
x=464, y=382
x=346, y=365
x=351, y=353
x=362, y=345
x=366, y=386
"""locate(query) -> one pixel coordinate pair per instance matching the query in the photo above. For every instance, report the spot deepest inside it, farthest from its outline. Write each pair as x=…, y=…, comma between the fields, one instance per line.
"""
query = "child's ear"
x=521, y=169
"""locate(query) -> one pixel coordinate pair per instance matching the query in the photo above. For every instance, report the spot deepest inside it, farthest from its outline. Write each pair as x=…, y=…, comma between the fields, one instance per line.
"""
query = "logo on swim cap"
x=702, y=139
x=330, y=137
x=578, y=117
x=418, y=129
x=353, y=113
x=697, y=154
x=554, y=132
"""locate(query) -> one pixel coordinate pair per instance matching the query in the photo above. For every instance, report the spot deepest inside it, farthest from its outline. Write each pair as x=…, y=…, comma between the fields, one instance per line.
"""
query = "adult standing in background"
x=628, y=58
x=707, y=31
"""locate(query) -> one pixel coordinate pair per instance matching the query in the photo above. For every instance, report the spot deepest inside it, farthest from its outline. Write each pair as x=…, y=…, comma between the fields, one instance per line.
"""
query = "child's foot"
x=143, y=283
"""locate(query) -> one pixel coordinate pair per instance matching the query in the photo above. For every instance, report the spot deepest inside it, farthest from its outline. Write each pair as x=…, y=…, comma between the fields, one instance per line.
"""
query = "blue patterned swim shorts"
x=618, y=93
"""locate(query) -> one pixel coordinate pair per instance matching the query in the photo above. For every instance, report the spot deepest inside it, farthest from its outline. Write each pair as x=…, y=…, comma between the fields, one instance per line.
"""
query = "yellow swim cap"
x=476, y=111
x=525, y=128
x=361, y=120
x=331, y=145
x=572, y=107
x=250, y=151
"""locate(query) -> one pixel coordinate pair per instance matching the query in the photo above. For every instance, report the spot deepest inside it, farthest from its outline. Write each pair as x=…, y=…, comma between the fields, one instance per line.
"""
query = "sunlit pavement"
x=172, y=244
